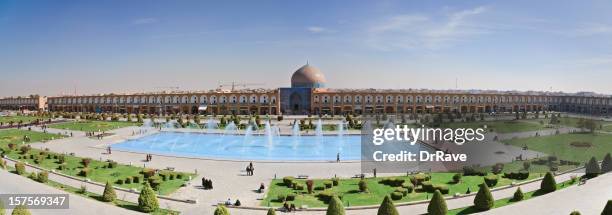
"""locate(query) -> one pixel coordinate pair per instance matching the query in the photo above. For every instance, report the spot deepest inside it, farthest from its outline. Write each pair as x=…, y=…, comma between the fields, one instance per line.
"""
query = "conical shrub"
x=437, y=205
x=483, y=200
x=592, y=168
x=147, y=201
x=518, y=195
x=109, y=193
x=271, y=211
x=335, y=206
x=608, y=209
x=606, y=164
x=387, y=207
x=548, y=183
x=221, y=210
x=20, y=210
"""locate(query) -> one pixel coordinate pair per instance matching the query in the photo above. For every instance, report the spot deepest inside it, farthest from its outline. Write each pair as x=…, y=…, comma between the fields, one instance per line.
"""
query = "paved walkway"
x=12, y=183
x=589, y=198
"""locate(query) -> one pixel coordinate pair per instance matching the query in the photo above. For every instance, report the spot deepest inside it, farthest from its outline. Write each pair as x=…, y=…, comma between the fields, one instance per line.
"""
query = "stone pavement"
x=14, y=184
x=589, y=198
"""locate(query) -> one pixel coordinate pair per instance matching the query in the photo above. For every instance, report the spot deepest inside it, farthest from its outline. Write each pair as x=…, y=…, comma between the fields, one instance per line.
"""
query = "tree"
x=592, y=168
x=21, y=210
x=483, y=200
x=606, y=164
x=548, y=183
x=271, y=211
x=387, y=207
x=109, y=193
x=437, y=205
x=608, y=209
x=221, y=210
x=518, y=195
x=147, y=201
x=1, y=207
x=335, y=206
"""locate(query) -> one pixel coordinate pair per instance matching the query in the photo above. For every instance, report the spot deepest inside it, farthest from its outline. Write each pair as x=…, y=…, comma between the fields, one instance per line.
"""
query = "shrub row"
x=394, y=182
x=520, y=175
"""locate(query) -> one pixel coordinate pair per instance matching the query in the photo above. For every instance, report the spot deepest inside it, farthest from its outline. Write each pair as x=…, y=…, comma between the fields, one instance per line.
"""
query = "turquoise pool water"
x=241, y=147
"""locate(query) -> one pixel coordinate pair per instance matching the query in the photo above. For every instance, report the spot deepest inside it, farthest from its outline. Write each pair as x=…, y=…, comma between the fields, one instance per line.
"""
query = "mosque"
x=309, y=94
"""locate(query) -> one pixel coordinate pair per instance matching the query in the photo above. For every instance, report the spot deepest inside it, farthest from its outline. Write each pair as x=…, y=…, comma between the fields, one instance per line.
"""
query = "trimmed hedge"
x=43, y=177
x=290, y=197
x=328, y=184
x=520, y=175
x=427, y=186
x=363, y=185
x=394, y=182
x=288, y=181
x=491, y=180
x=326, y=195
x=396, y=195
x=20, y=168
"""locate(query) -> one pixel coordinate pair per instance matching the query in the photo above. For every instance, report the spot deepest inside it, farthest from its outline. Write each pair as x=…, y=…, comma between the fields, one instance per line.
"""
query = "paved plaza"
x=228, y=176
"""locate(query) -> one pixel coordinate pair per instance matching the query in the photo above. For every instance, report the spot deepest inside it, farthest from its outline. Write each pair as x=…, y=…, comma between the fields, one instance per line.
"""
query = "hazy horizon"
x=53, y=48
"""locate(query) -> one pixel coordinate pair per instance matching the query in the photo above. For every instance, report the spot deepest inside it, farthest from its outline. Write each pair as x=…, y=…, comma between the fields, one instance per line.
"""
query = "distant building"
x=309, y=94
x=32, y=103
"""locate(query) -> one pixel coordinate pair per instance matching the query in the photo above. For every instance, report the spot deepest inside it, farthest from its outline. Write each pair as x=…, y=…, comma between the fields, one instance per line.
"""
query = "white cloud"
x=315, y=29
x=412, y=31
x=144, y=21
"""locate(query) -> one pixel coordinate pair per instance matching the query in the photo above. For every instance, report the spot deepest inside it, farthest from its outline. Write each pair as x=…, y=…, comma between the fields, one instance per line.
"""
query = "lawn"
x=99, y=170
x=15, y=136
x=597, y=145
x=17, y=119
x=349, y=190
x=95, y=126
x=498, y=126
x=607, y=127
x=507, y=201
x=87, y=194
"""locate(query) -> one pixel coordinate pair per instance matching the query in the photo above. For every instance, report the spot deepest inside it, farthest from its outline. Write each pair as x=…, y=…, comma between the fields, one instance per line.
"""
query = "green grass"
x=607, y=127
x=15, y=136
x=119, y=203
x=349, y=190
x=559, y=145
x=95, y=126
x=100, y=173
x=508, y=201
x=498, y=126
x=16, y=119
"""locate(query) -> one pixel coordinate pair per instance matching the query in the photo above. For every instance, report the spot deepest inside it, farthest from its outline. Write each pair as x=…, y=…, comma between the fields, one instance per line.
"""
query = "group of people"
x=229, y=202
x=141, y=131
x=207, y=184
x=26, y=138
x=148, y=157
x=261, y=189
x=289, y=207
x=250, y=169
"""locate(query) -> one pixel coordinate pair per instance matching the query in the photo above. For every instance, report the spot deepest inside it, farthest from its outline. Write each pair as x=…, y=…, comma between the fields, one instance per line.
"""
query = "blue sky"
x=53, y=47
